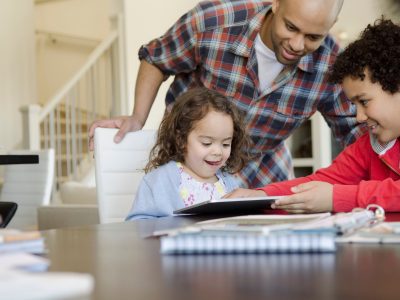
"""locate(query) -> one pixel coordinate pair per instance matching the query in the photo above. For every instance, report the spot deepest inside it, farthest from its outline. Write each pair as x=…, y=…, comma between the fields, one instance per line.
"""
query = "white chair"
x=29, y=186
x=119, y=170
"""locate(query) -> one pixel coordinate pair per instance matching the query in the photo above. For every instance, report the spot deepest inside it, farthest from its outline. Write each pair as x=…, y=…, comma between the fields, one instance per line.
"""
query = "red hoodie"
x=366, y=172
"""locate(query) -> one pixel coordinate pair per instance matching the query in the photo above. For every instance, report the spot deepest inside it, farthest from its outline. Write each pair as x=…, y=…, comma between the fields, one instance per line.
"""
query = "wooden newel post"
x=31, y=126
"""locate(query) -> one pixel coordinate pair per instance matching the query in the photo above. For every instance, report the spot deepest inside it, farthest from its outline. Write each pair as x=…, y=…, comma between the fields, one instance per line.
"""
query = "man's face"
x=298, y=27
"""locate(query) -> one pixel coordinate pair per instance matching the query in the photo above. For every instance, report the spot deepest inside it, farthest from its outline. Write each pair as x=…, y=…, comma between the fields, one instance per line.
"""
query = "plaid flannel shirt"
x=213, y=46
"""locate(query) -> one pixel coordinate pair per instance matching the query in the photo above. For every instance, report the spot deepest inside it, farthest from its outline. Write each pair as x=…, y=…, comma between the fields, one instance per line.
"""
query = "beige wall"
x=144, y=21
x=17, y=69
x=59, y=58
x=354, y=17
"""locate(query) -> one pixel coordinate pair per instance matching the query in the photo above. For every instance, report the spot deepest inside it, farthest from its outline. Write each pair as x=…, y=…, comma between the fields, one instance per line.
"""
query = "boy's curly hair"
x=177, y=124
x=377, y=52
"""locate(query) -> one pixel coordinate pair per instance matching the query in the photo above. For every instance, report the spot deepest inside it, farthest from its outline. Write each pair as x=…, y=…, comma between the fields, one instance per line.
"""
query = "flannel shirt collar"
x=244, y=43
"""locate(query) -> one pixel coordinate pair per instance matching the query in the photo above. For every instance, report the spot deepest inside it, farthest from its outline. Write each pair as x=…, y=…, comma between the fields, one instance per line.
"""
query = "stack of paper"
x=12, y=240
x=17, y=283
x=381, y=233
x=23, y=262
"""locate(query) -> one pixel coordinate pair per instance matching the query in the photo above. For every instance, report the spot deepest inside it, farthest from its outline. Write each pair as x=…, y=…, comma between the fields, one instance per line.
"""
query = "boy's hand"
x=244, y=193
x=310, y=197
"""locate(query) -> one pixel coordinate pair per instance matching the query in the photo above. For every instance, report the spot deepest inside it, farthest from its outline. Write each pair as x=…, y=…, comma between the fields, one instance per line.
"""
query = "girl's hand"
x=244, y=193
x=310, y=197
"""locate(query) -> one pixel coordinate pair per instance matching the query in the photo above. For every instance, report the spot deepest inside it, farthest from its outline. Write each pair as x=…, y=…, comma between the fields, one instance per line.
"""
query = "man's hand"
x=310, y=197
x=244, y=193
x=124, y=123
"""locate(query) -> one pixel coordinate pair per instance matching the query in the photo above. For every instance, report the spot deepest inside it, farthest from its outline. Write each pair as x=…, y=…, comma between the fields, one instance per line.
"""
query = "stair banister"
x=100, y=49
x=104, y=75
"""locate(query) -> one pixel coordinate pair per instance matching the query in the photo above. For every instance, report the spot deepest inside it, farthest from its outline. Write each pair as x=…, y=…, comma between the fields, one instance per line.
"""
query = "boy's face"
x=208, y=146
x=379, y=110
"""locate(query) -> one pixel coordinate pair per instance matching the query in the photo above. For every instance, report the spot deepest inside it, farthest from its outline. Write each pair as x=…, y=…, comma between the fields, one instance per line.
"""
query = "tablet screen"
x=230, y=205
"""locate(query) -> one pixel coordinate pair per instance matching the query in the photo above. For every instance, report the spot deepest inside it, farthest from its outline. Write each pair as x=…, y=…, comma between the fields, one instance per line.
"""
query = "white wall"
x=17, y=69
x=144, y=21
x=354, y=17
x=59, y=58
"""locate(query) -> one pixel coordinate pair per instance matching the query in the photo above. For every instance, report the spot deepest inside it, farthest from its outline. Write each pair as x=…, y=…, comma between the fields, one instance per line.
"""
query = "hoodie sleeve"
x=347, y=173
x=144, y=206
x=158, y=194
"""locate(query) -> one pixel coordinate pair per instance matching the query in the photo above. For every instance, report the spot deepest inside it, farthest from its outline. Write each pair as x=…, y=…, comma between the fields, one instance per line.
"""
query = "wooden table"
x=127, y=265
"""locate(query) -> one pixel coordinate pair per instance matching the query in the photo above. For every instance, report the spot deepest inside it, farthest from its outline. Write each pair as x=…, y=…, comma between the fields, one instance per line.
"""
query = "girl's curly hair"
x=177, y=124
x=377, y=52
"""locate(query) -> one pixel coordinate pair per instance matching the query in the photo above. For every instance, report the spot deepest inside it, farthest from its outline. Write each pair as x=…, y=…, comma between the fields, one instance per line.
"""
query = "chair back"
x=29, y=186
x=119, y=170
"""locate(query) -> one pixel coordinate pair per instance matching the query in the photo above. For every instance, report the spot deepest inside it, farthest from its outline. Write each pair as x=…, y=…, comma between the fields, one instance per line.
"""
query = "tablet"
x=229, y=205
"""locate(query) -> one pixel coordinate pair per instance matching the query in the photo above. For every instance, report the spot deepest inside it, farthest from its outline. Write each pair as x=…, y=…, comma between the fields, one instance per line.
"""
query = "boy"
x=368, y=171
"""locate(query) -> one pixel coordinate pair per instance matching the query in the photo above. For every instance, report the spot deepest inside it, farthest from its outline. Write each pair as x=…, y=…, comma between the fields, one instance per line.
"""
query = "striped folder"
x=292, y=242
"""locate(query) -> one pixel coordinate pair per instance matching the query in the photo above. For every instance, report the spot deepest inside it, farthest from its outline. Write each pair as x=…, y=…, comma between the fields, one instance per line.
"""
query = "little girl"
x=367, y=172
x=199, y=144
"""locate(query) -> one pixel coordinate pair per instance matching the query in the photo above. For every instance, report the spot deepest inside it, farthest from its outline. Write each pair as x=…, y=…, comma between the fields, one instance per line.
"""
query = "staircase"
x=84, y=158
x=97, y=91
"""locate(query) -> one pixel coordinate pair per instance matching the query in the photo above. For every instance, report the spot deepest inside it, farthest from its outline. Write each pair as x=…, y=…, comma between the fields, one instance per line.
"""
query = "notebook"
x=289, y=242
x=250, y=223
x=229, y=205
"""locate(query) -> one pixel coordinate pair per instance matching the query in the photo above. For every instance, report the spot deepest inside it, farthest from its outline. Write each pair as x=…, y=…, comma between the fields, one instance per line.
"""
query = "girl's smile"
x=208, y=146
x=214, y=164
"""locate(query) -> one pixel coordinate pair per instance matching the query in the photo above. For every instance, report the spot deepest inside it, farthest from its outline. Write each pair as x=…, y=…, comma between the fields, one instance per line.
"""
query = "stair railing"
x=96, y=91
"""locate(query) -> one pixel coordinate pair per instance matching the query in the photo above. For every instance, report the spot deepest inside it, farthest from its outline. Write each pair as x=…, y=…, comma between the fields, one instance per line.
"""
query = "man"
x=269, y=59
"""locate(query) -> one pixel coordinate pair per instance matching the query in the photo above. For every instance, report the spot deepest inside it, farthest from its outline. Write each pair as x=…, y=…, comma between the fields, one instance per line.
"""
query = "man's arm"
x=148, y=82
x=340, y=115
x=169, y=55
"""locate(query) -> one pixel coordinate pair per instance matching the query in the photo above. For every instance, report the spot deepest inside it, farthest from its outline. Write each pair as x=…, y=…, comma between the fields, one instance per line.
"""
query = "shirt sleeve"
x=340, y=114
x=350, y=176
x=175, y=51
x=384, y=193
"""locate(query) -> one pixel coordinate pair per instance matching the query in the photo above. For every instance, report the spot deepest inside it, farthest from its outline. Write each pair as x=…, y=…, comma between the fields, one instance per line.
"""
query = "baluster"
x=73, y=134
x=59, y=147
x=87, y=106
x=93, y=95
x=79, y=125
x=122, y=107
x=67, y=135
x=98, y=106
x=107, y=82
x=44, y=133
x=53, y=146
x=112, y=81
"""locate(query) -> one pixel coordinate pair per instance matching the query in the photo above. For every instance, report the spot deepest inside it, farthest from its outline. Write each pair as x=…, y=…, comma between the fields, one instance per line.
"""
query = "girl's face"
x=379, y=110
x=208, y=146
